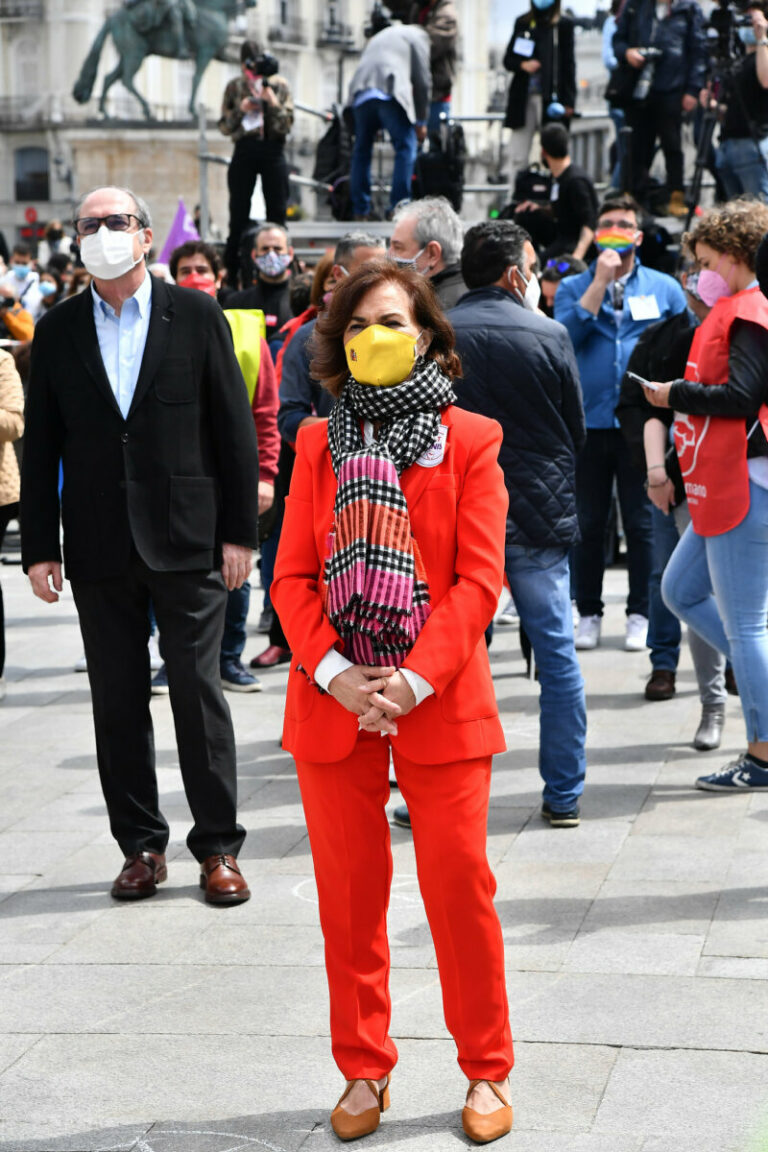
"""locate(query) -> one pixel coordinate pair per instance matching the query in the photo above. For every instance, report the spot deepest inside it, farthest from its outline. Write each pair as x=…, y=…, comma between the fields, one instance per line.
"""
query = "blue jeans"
x=233, y=640
x=619, y=119
x=663, y=626
x=603, y=458
x=435, y=108
x=539, y=580
x=741, y=166
x=719, y=586
x=370, y=116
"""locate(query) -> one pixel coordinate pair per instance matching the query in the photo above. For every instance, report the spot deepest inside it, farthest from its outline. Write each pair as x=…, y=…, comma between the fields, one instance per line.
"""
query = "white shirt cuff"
x=420, y=687
x=331, y=665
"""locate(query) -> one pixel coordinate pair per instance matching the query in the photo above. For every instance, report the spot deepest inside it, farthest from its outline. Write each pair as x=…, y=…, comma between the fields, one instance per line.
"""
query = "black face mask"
x=56, y=235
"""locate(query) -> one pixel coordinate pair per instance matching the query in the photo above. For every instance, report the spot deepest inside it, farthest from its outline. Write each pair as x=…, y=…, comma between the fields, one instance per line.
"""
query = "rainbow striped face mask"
x=620, y=240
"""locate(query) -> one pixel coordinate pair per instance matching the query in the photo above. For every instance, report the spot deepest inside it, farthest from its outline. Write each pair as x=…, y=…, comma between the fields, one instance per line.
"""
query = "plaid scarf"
x=376, y=592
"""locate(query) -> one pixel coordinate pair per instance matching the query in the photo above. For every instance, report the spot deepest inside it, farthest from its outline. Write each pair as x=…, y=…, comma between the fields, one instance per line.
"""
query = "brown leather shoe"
x=271, y=656
x=141, y=874
x=482, y=1127
x=349, y=1127
x=661, y=685
x=223, y=881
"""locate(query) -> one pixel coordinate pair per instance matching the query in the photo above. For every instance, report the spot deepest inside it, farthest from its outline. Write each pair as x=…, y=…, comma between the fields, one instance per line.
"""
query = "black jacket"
x=449, y=286
x=559, y=79
x=174, y=480
x=519, y=368
x=681, y=37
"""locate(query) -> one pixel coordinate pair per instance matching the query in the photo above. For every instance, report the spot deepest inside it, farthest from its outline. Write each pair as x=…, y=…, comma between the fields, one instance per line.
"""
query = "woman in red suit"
x=389, y=570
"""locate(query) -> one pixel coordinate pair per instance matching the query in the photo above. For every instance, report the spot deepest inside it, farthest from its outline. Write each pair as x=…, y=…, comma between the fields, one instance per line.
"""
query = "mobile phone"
x=641, y=380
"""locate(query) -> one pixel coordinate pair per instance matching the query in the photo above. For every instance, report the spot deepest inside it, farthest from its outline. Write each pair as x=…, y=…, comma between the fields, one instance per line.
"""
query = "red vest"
x=712, y=450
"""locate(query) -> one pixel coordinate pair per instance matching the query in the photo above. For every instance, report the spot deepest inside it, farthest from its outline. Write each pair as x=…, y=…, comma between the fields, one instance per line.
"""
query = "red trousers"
x=349, y=834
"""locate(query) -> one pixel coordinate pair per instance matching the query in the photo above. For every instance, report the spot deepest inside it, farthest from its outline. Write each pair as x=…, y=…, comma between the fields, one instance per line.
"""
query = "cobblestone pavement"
x=637, y=944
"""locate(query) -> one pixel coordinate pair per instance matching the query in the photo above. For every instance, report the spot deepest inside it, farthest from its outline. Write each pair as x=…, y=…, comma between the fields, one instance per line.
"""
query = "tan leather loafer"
x=482, y=1127
x=140, y=875
x=349, y=1127
x=223, y=881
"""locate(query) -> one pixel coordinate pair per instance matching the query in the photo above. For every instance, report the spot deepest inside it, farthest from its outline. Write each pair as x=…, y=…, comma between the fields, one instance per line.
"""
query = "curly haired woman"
x=717, y=578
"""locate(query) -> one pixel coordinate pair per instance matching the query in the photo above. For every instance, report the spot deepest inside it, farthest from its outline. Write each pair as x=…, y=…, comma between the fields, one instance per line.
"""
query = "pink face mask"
x=712, y=286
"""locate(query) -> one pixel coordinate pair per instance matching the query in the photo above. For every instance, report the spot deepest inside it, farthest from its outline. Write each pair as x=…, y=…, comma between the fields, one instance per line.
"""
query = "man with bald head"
x=135, y=388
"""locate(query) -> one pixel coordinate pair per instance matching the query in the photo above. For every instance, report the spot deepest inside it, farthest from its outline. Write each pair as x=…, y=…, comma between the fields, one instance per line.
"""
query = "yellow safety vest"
x=248, y=328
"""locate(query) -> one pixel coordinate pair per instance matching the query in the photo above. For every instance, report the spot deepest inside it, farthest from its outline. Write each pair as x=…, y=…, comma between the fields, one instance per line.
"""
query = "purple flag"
x=182, y=230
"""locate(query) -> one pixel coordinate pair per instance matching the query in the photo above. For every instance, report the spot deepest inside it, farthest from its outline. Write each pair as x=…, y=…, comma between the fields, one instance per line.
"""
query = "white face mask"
x=108, y=255
x=532, y=295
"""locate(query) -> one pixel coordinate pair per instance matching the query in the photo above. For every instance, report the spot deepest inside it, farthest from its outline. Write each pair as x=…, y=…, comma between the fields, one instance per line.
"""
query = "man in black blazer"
x=135, y=387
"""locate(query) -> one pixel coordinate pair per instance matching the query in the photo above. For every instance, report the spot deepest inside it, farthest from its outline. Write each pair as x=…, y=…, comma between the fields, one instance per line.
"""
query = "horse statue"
x=172, y=28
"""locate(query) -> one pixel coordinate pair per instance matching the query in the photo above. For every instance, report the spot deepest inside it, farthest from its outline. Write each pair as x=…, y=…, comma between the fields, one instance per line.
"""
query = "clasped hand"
x=377, y=696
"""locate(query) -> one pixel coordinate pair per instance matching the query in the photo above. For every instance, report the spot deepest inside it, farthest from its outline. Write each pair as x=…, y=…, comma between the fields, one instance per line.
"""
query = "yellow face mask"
x=381, y=356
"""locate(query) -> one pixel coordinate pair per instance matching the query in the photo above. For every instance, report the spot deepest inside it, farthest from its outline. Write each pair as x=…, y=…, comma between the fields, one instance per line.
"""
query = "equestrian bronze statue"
x=178, y=29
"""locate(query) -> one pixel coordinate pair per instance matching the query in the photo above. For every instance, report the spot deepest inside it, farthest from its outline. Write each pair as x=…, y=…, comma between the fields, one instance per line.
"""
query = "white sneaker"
x=588, y=633
x=155, y=659
x=81, y=665
x=575, y=610
x=509, y=614
x=637, y=630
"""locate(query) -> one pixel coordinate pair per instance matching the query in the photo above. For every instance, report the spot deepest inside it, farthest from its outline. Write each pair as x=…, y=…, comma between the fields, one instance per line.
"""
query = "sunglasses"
x=562, y=266
x=115, y=222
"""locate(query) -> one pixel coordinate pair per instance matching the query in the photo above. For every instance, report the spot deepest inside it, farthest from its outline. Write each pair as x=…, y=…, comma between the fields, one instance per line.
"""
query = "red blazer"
x=458, y=511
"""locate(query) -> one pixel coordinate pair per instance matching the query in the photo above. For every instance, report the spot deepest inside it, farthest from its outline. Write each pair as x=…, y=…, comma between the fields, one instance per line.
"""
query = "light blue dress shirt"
x=122, y=339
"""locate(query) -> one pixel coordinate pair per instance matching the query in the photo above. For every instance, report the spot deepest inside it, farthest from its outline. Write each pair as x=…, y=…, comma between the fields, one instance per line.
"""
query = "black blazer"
x=175, y=479
x=529, y=26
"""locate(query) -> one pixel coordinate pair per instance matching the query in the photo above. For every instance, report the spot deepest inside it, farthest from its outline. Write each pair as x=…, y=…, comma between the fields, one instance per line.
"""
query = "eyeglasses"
x=562, y=266
x=115, y=222
x=630, y=225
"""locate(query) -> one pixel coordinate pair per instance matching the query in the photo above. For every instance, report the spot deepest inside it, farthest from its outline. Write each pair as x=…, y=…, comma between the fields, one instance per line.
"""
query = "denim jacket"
x=604, y=343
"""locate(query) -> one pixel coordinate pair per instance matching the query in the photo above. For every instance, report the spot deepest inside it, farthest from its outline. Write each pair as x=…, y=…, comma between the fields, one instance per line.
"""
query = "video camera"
x=265, y=64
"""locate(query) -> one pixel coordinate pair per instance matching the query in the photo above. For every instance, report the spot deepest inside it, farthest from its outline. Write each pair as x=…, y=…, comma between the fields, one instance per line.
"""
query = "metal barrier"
x=588, y=151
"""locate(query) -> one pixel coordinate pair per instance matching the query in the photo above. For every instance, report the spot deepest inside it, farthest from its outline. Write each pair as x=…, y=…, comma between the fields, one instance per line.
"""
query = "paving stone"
x=614, y=950
x=721, y=1108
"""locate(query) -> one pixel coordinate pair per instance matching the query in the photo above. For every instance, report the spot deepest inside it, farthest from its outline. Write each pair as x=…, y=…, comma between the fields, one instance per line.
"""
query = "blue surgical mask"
x=47, y=289
x=747, y=36
x=20, y=271
x=542, y=5
x=407, y=262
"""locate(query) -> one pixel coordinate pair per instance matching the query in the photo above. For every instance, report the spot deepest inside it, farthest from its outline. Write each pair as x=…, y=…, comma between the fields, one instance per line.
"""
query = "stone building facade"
x=51, y=148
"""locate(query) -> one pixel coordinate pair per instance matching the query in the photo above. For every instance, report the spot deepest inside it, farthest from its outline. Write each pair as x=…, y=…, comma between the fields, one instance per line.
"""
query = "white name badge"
x=434, y=454
x=523, y=46
x=644, y=307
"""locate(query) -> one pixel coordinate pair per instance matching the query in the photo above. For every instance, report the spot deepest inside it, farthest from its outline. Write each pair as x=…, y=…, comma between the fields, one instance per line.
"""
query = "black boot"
x=710, y=727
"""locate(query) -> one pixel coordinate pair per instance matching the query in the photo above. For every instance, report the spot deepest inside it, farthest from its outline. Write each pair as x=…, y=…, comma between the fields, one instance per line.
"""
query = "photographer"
x=257, y=112
x=742, y=153
x=674, y=80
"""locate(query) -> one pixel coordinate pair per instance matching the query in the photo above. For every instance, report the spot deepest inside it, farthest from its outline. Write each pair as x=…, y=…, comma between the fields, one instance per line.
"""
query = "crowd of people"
x=401, y=430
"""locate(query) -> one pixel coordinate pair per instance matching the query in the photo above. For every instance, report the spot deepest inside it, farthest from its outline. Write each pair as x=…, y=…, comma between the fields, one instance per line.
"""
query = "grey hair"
x=268, y=226
x=142, y=208
x=351, y=241
x=434, y=219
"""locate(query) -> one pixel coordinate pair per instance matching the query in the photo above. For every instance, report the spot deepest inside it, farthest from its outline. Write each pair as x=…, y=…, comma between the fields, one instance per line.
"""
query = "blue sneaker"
x=739, y=776
x=236, y=678
x=160, y=682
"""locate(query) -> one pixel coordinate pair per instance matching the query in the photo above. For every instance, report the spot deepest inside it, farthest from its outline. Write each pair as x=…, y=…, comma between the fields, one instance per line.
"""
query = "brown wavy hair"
x=329, y=363
x=735, y=228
